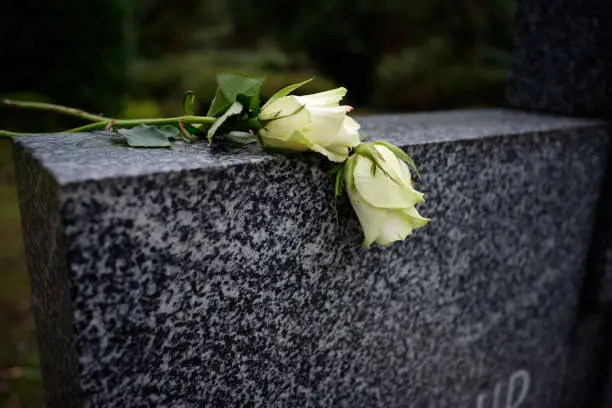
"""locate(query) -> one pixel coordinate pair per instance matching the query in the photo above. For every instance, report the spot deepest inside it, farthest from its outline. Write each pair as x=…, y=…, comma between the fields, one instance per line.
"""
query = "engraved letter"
x=481, y=400
x=496, y=395
x=525, y=380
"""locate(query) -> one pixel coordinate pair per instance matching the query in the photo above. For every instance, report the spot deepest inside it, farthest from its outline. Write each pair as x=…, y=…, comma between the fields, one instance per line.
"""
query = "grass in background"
x=20, y=382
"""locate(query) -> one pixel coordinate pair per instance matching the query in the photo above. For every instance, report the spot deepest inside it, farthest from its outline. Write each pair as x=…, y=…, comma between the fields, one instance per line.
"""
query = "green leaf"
x=145, y=136
x=335, y=170
x=196, y=130
x=189, y=103
x=349, y=172
x=402, y=155
x=339, y=185
x=240, y=137
x=229, y=87
x=171, y=132
x=371, y=153
x=248, y=101
x=235, y=109
x=286, y=91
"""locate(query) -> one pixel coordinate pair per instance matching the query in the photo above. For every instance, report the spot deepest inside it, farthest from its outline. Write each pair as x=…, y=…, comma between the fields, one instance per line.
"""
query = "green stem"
x=8, y=133
x=126, y=123
x=54, y=108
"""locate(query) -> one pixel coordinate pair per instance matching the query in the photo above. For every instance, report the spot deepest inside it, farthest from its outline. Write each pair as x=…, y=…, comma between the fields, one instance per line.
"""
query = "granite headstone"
x=222, y=277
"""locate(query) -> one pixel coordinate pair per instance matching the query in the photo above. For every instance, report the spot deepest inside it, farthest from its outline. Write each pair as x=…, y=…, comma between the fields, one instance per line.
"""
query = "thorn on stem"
x=186, y=135
x=109, y=125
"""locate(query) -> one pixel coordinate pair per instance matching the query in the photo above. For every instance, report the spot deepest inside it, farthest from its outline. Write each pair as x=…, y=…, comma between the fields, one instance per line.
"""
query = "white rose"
x=380, y=189
x=312, y=122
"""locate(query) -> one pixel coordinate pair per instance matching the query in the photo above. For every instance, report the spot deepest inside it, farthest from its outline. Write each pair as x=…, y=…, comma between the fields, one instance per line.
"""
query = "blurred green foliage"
x=20, y=382
x=349, y=40
x=390, y=54
x=430, y=76
x=174, y=27
x=70, y=52
x=160, y=83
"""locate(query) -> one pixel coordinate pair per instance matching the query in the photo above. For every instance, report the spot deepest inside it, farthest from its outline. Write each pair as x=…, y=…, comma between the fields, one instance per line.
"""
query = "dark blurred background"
x=135, y=58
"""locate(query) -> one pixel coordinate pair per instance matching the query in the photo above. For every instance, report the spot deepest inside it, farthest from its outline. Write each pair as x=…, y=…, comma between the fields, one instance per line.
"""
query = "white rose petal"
x=396, y=227
x=282, y=129
x=326, y=124
x=385, y=190
x=327, y=98
x=370, y=218
x=349, y=134
x=281, y=108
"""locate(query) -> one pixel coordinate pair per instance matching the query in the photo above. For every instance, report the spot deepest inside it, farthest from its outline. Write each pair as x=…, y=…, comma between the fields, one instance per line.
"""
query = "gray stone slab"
x=563, y=57
x=221, y=277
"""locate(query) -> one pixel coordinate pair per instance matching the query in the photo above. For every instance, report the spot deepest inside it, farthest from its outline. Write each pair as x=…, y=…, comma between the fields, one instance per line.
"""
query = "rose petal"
x=380, y=190
x=350, y=125
x=282, y=144
x=280, y=108
x=327, y=98
x=283, y=129
x=416, y=219
x=335, y=155
x=325, y=124
x=397, y=227
x=299, y=139
x=348, y=135
x=393, y=165
x=370, y=218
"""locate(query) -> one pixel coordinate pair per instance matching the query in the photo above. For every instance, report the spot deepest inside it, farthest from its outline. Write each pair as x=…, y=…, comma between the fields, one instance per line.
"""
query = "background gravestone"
x=563, y=64
x=604, y=242
x=200, y=275
x=592, y=353
x=585, y=377
x=563, y=57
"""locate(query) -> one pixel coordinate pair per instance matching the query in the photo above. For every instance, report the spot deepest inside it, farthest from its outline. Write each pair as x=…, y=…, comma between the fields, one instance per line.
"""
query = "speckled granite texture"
x=220, y=277
x=563, y=57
